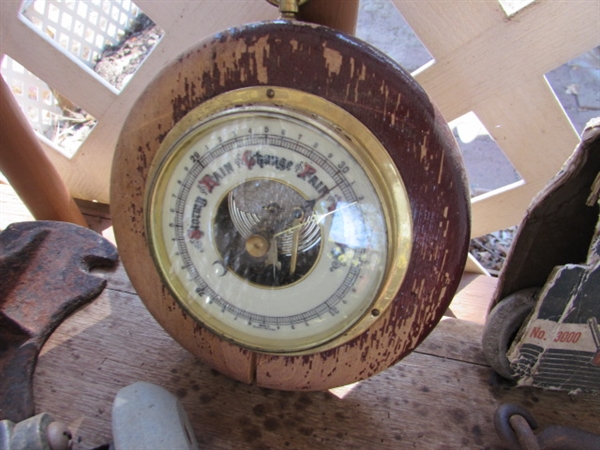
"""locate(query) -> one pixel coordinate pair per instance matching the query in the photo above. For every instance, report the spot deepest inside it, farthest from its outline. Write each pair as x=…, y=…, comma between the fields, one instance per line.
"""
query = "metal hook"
x=515, y=426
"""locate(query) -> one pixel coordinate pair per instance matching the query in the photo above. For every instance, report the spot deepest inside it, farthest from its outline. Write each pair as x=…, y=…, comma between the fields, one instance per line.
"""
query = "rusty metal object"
x=45, y=277
x=515, y=425
x=523, y=432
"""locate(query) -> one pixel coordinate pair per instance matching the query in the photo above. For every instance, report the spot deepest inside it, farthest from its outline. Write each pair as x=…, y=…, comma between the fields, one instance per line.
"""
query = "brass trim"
x=355, y=137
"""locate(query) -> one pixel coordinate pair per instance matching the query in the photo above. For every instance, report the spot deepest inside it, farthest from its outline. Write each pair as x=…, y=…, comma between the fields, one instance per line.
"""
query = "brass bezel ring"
x=356, y=139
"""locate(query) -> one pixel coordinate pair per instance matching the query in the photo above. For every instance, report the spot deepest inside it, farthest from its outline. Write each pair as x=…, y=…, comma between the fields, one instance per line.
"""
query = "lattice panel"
x=493, y=63
x=83, y=28
x=33, y=95
x=486, y=61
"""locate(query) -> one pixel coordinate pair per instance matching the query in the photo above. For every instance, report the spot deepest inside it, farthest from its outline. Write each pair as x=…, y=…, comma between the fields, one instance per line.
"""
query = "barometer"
x=277, y=220
x=290, y=206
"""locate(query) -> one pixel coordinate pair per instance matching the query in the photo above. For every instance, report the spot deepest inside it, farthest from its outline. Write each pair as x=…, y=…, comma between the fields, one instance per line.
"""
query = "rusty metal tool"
x=45, y=277
x=515, y=425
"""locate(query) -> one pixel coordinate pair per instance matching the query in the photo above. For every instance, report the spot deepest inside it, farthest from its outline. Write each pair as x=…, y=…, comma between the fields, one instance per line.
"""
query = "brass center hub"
x=257, y=246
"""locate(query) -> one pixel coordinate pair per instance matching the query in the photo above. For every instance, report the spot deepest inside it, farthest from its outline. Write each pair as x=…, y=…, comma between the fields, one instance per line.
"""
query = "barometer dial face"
x=273, y=224
x=290, y=206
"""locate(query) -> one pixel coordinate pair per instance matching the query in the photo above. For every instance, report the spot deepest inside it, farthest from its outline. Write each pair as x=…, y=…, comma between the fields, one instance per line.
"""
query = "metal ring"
x=502, y=422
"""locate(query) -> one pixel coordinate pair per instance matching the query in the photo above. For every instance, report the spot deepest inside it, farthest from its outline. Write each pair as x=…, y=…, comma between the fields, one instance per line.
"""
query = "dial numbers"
x=267, y=229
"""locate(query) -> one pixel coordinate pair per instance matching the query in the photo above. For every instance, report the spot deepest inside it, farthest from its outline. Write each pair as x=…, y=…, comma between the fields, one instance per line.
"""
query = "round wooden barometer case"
x=290, y=206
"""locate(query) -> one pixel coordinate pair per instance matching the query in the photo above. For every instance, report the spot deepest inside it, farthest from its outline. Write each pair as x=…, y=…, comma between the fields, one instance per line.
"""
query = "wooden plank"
x=440, y=396
x=9, y=13
x=498, y=58
x=540, y=123
x=437, y=397
x=524, y=119
x=436, y=22
x=455, y=339
x=502, y=208
x=200, y=19
x=473, y=297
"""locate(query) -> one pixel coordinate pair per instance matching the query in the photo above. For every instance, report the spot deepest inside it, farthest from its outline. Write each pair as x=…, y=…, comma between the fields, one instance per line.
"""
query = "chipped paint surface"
x=333, y=61
x=388, y=101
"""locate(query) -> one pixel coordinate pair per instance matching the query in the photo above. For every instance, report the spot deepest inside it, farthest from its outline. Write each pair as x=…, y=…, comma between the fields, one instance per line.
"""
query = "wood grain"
x=378, y=93
x=494, y=65
x=442, y=396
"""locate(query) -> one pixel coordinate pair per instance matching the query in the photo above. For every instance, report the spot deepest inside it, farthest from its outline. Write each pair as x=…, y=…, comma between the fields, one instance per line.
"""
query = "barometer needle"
x=272, y=256
x=296, y=225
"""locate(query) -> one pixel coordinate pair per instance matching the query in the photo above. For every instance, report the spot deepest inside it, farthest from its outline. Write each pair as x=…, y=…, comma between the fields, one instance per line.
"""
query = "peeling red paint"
x=396, y=110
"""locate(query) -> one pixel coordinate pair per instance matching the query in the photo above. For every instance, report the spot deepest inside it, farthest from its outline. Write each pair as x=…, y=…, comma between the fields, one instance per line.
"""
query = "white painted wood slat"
x=195, y=21
x=60, y=70
x=509, y=53
x=445, y=25
x=498, y=73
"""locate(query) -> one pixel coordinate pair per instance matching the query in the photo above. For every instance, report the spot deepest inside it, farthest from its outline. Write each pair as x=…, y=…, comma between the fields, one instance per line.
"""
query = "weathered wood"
x=504, y=85
x=506, y=208
x=388, y=102
x=435, y=22
x=27, y=168
x=473, y=298
x=440, y=396
x=459, y=87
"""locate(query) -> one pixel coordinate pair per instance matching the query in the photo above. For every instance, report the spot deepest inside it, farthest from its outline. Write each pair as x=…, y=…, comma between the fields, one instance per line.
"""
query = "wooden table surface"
x=442, y=396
